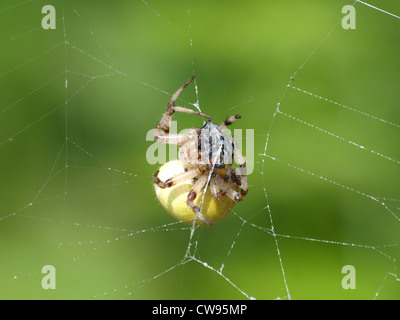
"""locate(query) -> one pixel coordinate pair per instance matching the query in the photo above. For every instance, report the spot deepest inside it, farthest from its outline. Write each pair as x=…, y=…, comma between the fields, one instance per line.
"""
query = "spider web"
x=77, y=193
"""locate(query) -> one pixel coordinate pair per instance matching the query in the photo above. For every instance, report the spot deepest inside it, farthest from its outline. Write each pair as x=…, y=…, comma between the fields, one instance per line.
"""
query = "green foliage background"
x=104, y=230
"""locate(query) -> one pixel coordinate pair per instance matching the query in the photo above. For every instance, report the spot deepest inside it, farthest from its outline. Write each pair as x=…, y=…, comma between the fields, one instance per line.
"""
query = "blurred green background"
x=77, y=102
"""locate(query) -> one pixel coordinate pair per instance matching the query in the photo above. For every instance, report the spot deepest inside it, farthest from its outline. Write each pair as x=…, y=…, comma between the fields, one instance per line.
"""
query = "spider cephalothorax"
x=207, y=155
x=215, y=148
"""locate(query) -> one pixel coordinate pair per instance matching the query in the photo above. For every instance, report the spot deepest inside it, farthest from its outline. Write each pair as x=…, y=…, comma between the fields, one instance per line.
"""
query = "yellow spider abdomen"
x=174, y=199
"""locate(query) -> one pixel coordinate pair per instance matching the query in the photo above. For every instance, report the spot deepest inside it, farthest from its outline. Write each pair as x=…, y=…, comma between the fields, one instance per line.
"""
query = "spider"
x=207, y=156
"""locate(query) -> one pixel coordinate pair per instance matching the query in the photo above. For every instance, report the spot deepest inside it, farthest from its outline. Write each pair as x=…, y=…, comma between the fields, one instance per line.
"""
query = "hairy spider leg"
x=165, y=122
x=198, y=185
x=228, y=121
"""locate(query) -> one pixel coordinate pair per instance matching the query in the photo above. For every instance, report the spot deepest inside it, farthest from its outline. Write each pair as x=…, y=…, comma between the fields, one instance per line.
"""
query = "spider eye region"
x=214, y=146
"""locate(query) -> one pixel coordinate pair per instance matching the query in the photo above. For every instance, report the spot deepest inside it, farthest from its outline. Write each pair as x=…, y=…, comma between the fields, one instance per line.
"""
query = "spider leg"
x=186, y=110
x=229, y=121
x=234, y=195
x=218, y=187
x=198, y=185
x=241, y=182
x=223, y=184
x=165, y=121
x=177, y=139
x=214, y=188
x=178, y=92
x=239, y=176
x=174, y=180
